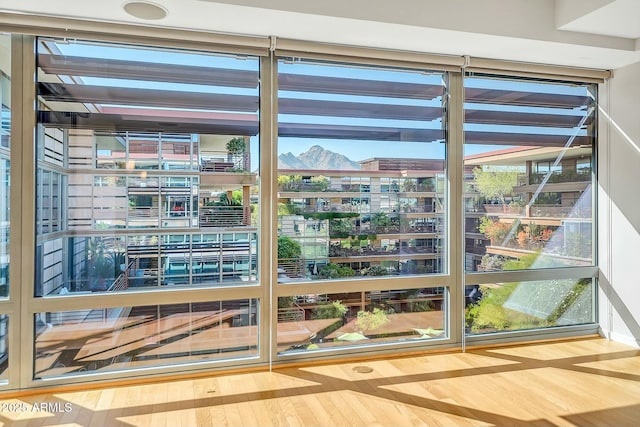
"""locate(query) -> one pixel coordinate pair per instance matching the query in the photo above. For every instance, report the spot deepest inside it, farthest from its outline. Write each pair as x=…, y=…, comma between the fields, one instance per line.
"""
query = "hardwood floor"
x=589, y=382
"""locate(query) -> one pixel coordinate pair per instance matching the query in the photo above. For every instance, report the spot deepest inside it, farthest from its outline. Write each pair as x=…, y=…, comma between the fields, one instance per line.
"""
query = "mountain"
x=317, y=158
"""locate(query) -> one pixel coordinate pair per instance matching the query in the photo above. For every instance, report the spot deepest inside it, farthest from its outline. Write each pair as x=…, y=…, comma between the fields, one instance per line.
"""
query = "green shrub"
x=288, y=248
x=375, y=270
x=334, y=271
x=333, y=310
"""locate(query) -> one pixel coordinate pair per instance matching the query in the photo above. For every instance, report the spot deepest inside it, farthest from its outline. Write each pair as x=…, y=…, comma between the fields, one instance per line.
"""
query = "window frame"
x=21, y=305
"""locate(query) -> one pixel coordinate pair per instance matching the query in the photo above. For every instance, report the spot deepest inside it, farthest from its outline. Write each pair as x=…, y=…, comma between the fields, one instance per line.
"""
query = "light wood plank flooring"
x=589, y=382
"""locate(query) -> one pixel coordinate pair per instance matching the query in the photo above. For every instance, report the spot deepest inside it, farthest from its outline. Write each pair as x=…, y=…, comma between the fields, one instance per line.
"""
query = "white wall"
x=619, y=206
x=516, y=30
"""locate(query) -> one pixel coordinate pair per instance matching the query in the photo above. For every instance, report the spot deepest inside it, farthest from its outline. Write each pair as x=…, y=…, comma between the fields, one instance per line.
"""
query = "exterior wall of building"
x=619, y=208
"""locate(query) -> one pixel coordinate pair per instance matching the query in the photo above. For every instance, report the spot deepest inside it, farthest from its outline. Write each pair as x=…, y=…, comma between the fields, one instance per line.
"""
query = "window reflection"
x=320, y=321
x=528, y=174
x=513, y=306
x=103, y=340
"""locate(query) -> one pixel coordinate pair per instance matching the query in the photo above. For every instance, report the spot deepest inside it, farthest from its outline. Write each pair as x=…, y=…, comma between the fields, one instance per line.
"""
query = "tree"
x=380, y=219
x=236, y=145
x=340, y=227
x=283, y=182
x=494, y=184
x=370, y=320
x=320, y=183
x=409, y=185
x=289, y=182
x=235, y=200
x=495, y=231
x=288, y=248
x=375, y=270
x=236, y=148
x=99, y=264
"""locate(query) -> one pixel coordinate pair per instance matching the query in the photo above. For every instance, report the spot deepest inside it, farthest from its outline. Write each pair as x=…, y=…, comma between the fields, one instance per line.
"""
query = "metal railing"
x=223, y=161
x=225, y=216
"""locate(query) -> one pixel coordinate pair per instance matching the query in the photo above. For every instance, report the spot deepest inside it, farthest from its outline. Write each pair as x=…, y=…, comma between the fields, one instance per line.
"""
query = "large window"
x=361, y=161
x=529, y=304
x=361, y=195
x=145, y=176
x=384, y=220
x=528, y=173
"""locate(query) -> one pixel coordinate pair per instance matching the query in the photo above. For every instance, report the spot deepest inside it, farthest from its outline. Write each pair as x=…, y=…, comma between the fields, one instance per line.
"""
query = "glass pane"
x=361, y=161
x=158, y=144
x=528, y=174
x=4, y=225
x=5, y=159
x=111, y=151
x=87, y=264
x=497, y=307
x=102, y=340
x=4, y=347
x=321, y=321
x=110, y=202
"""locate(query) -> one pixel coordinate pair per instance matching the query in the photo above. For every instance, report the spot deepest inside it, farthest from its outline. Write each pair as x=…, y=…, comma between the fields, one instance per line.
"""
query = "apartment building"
x=389, y=214
x=548, y=210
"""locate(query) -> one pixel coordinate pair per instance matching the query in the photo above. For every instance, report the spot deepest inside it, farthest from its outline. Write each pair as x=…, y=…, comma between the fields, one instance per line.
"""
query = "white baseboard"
x=621, y=338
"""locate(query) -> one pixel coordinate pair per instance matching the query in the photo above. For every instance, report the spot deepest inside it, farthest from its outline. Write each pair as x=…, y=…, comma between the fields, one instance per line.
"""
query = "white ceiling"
x=619, y=18
x=600, y=34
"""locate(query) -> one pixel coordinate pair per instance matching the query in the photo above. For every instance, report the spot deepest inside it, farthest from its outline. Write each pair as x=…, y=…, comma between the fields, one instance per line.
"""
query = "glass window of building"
x=147, y=180
x=5, y=160
x=528, y=173
x=361, y=185
x=528, y=199
x=347, y=135
x=349, y=319
x=147, y=209
x=144, y=336
x=156, y=145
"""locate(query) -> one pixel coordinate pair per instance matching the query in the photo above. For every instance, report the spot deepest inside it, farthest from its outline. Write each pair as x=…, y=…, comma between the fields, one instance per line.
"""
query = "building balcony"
x=223, y=161
x=340, y=252
x=536, y=211
x=379, y=230
x=502, y=209
x=337, y=208
x=558, y=256
x=225, y=216
x=554, y=187
x=144, y=212
x=555, y=211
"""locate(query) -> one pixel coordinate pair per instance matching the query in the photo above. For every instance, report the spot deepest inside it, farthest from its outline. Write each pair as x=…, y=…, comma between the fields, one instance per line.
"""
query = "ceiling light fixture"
x=145, y=10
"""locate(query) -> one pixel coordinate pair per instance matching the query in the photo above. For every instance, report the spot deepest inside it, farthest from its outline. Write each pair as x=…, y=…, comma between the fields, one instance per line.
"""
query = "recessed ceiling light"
x=145, y=10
